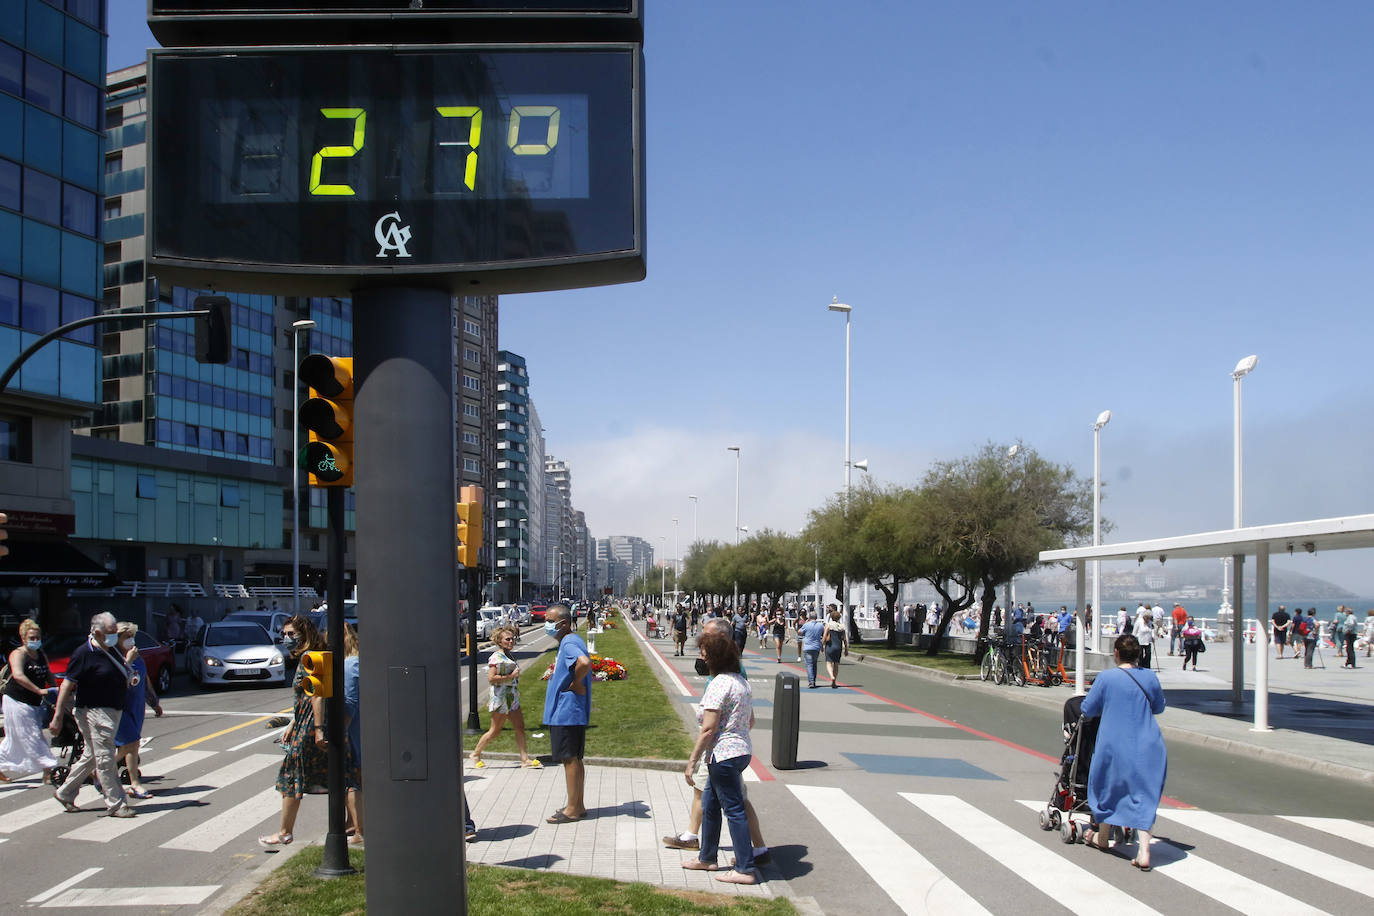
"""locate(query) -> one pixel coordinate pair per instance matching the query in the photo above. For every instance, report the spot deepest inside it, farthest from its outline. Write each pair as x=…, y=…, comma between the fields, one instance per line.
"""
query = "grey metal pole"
x=1237, y=630
x=335, y=859
x=406, y=490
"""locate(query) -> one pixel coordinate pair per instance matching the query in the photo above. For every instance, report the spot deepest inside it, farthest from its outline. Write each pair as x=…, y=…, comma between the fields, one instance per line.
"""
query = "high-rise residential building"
x=635, y=553
x=535, y=563
x=52, y=65
x=475, y=323
x=512, y=503
x=558, y=540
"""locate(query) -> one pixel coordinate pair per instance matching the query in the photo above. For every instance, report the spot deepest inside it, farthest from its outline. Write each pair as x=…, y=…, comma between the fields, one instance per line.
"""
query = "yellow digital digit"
x=520, y=112
x=474, y=137
x=359, y=118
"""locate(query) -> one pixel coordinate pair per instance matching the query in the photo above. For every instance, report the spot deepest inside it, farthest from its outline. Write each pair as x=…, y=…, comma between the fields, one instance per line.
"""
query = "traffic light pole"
x=474, y=576
x=405, y=480
x=335, y=861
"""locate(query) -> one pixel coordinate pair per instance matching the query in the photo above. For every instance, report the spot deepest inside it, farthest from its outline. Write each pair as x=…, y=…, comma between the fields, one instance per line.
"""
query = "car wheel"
x=164, y=680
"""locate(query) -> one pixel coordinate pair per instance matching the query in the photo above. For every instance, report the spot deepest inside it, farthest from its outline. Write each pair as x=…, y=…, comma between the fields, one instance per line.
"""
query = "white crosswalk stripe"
x=1222, y=885
x=1075, y=887
x=1314, y=862
x=40, y=811
x=108, y=828
x=912, y=882
x=1353, y=831
x=226, y=826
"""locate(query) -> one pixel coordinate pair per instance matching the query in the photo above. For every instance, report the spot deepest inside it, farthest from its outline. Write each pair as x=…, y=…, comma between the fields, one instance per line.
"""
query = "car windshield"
x=62, y=645
x=261, y=619
x=243, y=635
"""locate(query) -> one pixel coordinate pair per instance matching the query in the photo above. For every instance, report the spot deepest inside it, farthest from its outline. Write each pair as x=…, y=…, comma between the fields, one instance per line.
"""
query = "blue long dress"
x=1130, y=763
x=135, y=701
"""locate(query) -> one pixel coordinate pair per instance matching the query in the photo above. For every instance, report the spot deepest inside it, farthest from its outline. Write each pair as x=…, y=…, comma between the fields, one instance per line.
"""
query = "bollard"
x=786, y=721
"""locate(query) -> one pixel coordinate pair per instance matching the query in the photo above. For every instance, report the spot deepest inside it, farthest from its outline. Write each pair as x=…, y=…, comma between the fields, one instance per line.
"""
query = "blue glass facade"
x=121, y=502
x=52, y=64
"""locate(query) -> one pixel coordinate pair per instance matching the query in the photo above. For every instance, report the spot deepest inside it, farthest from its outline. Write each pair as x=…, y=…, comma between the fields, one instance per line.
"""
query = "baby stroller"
x=1070, y=795
x=68, y=745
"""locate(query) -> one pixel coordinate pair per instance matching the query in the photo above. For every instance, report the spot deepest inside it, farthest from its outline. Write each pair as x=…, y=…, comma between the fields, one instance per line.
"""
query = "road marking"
x=209, y=712
x=41, y=811
x=1353, y=831
x=913, y=883
x=273, y=733
x=59, y=888
x=232, y=728
x=226, y=826
x=1211, y=880
x=110, y=828
x=657, y=656
x=1077, y=889
x=1295, y=855
x=134, y=896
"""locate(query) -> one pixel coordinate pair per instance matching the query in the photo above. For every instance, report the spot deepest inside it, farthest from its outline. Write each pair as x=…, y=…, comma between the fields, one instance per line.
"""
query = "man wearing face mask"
x=98, y=679
x=567, y=710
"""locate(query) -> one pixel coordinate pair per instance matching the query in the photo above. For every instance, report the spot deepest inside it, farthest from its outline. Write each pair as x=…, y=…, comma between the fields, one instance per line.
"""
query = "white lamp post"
x=837, y=306
x=1103, y=419
x=677, y=555
x=1243, y=368
x=695, y=501
x=735, y=449
x=304, y=324
x=663, y=574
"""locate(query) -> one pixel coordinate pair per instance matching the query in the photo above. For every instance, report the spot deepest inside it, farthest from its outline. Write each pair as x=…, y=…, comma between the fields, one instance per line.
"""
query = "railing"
x=162, y=588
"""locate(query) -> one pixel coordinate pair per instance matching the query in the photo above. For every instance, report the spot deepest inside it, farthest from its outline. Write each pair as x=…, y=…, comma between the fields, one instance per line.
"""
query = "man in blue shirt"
x=567, y=709
x=811, y=634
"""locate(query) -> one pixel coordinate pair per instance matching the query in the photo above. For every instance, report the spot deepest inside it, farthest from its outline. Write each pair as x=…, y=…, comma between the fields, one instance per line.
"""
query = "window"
x=16, y=439
x=472, y=382
x=114, y=206
x=472, y=466
x=471, y=438
x=114, y=163
x=12, y=76
x=74, y=308
x=472, y=327
x=39, y=309
x=10, y=183
x=114, y=117
x=82, y=103
x=147, y=486
x=78, y=210
x=9, y=300
x=42, y=196
x=43, y=84
x=229, y=497
x=472, y=410
x=471, y=355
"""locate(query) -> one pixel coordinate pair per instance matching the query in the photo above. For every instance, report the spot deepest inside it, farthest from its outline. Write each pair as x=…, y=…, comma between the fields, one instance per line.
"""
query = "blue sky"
x=1036, y=211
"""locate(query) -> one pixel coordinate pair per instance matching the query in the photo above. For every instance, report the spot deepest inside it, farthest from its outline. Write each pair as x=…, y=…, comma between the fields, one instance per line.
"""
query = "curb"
x=250, y=882
x=1170, y=731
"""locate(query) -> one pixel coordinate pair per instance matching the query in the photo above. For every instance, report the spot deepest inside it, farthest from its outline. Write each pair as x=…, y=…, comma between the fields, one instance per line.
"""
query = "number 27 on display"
x=473, y=115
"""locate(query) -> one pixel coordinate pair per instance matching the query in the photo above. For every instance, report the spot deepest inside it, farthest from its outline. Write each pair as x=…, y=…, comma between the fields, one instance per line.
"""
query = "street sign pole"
x=406, y=489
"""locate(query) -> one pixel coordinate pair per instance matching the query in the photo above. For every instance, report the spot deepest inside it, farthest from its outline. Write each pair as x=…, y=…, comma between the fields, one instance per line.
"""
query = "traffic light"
x=328, y=414
x=4, y=535
x=469, y=526
x=319, y=674
x=214, y=332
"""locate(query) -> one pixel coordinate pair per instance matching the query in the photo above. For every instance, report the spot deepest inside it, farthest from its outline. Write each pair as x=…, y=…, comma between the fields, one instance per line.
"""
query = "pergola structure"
x=1260, y=541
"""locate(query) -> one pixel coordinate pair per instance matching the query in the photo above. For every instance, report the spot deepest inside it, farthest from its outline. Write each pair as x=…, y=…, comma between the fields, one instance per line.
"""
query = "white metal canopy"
x=1344, y=533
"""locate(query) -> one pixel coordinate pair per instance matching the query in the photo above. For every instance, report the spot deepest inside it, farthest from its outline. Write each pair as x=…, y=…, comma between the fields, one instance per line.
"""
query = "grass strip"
x=293, y=890
x=632, y=718
x=910, y=655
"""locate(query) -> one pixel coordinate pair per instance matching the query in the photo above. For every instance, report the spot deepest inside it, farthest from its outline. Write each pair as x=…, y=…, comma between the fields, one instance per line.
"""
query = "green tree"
x=842, y=550
x=771, y=564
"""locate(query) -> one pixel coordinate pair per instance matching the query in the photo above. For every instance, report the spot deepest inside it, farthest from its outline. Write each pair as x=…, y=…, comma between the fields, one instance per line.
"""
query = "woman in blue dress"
x=129, y=735
x=1130, y=763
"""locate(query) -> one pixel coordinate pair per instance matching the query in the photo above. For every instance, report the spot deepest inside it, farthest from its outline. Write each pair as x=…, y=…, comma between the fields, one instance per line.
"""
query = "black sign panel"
x=256, y=22
x=506, y=168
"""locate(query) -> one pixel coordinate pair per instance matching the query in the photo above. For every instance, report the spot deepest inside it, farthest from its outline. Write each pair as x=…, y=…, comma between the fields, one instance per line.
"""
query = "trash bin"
x=786, y=721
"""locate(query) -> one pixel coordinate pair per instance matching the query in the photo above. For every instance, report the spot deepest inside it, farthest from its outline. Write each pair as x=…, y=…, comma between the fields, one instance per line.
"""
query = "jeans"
x=724, y=792
x=98, y=726
x=812, y=655
x=1309, y=647
x=1176, y=639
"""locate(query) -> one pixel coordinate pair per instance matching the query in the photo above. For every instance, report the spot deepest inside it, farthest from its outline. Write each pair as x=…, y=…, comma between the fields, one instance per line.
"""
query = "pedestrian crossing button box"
x=786, y=720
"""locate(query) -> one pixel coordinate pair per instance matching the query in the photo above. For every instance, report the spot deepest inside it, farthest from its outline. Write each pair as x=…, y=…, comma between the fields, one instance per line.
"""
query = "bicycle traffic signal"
x=328, y=414
x=469, y=526
x=319, y=674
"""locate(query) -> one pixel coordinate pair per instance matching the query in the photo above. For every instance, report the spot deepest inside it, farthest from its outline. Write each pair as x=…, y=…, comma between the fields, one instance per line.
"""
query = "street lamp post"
x=663, y=575
x=1103, y=419
x=695, y=501
x=735, y=449
x=1244, y=368
x=837, y=306
x=304, y=324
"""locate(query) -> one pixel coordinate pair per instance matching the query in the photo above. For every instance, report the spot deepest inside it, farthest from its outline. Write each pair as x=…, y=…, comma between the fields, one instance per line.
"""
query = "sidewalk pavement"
x=1322, y=719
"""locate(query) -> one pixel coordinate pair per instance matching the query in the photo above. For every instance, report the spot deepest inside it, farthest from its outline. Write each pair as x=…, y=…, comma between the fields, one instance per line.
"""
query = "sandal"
x=138, y=793
x=735, y=877
x=274, y=840
x=533, y=764
x=477, y=763
x=1135, y=864
x=558, y=817
x=698, y=865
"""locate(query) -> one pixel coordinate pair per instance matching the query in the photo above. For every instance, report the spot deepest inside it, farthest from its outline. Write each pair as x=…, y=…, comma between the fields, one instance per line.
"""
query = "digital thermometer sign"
x=320, y=170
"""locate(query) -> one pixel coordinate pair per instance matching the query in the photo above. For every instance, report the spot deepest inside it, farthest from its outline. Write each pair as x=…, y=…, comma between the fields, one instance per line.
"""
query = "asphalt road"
x=915, y=796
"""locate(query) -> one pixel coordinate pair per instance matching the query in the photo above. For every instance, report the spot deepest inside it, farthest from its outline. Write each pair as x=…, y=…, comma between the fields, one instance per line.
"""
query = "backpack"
x=1303, y=627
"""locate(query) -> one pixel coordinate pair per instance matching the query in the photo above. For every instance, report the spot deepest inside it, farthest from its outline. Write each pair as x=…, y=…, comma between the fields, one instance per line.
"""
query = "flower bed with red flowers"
x=603, y=669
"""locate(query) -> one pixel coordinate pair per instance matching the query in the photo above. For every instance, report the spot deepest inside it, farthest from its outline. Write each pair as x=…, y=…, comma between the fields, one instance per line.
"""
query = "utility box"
x=786, y=721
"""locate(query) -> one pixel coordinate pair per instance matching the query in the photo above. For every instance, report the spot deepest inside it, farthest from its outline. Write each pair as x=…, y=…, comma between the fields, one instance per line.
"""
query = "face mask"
x=111, y=639
x=288, y=644
x=701, y=667
x=34, y=644
x=551, y=629
x=126, y=646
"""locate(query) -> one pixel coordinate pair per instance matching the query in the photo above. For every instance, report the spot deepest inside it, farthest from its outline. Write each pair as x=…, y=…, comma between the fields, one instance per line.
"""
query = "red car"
x=538, y=612
x=155, y=655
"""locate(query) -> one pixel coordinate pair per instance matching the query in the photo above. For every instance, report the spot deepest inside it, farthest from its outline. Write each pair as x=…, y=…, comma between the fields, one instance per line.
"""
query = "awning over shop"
x=40, y=563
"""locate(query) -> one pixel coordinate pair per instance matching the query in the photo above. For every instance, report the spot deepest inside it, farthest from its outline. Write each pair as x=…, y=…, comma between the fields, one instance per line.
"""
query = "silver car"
x=235, y=652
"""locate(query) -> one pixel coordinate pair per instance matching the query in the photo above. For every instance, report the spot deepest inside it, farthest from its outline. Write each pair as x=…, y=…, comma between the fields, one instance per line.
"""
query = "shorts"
x=1281, y=637
x=567, y=742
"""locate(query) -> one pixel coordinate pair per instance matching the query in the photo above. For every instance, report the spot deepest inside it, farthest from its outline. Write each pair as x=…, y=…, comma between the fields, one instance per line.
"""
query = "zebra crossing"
x=209, y=806
x=1260, y=865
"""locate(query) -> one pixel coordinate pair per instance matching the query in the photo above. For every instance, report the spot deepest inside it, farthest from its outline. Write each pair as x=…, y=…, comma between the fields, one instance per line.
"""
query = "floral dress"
x=504, y=697
x=305, y=768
